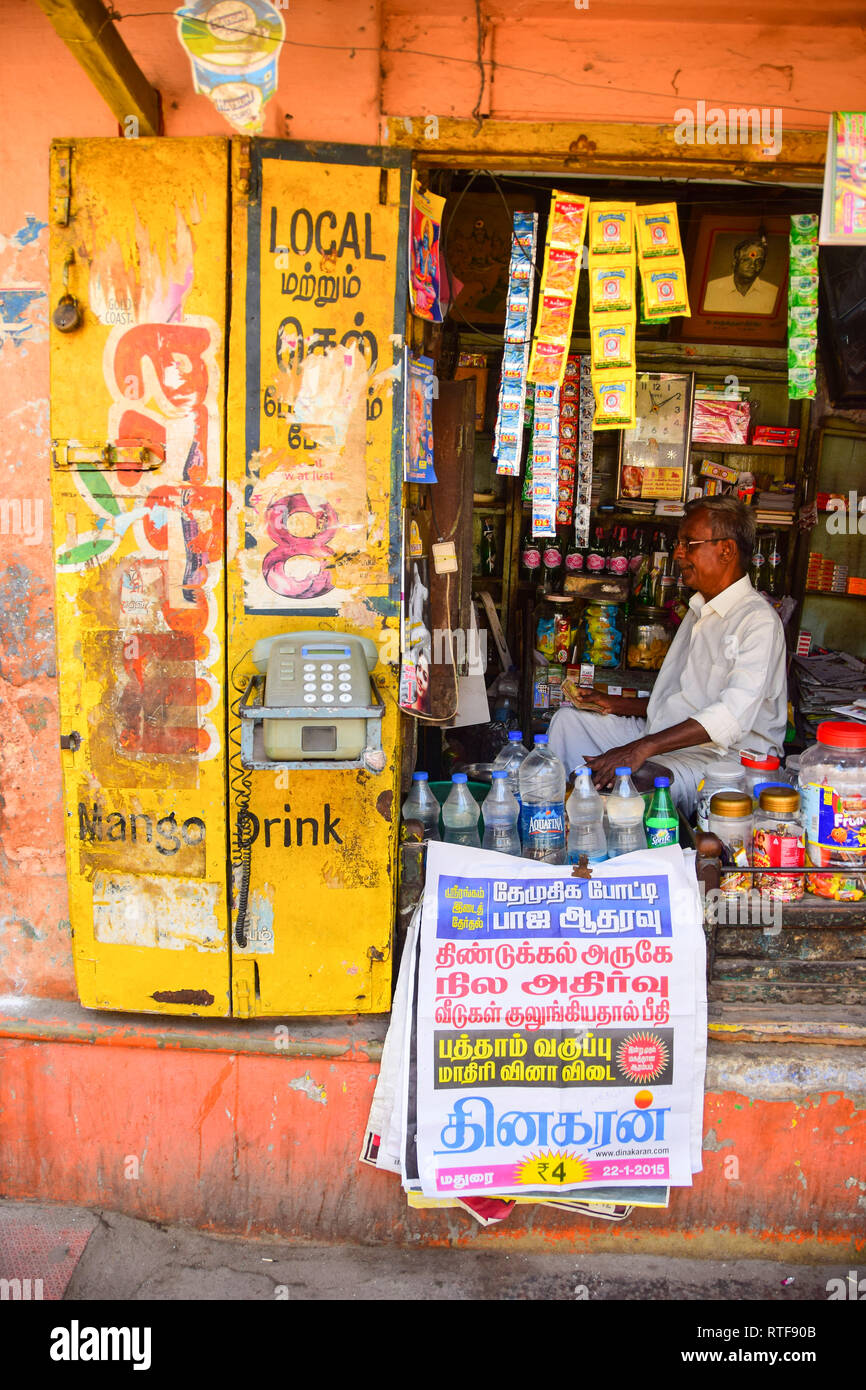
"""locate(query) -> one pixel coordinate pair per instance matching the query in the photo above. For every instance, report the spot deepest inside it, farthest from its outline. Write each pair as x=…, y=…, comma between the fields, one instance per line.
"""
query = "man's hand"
x=632, y=755
x=592, y=700
x=596, y=701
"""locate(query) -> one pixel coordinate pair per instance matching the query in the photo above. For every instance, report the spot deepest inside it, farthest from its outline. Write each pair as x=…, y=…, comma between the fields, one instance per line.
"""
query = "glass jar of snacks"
x=650, y=633
x=732, y=820
x=601, y=634
x=778, y=842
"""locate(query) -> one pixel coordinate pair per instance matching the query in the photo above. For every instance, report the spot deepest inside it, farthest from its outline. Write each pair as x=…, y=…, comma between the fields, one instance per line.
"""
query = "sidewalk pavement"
x=80, y=1253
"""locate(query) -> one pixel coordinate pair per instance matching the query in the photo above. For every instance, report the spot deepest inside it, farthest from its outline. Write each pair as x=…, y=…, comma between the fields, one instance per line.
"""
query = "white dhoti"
x=575, y=735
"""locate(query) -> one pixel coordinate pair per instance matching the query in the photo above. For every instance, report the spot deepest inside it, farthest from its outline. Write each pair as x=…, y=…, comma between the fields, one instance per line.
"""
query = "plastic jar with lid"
x=732, y=820
x=725, y=775
x=758, y=768
x=778, y=842
x=650, y=633
x=833, y=792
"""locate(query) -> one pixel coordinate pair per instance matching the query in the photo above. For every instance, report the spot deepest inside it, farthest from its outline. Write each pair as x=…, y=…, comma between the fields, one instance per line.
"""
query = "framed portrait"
x=738, y=280
x=654, y=456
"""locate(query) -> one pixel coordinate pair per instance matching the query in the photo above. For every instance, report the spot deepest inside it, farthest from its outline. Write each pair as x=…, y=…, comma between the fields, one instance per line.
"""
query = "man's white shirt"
x=726, y=668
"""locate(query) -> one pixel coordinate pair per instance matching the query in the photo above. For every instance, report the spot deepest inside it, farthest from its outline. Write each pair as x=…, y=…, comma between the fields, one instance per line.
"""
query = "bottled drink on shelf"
x=662, y=825
x=575, y=560
x=509, y=760
x=637, y=550
x=595, y=560
x=757, y=569
x=585, y=811
x=542, y=804
x=530, y=557
x=488, y=547
x=775, y=567
x=500, y=812
x=551, y=560
x=617, y=557
x=460, y=814
x=625, y=813
x=422, y=805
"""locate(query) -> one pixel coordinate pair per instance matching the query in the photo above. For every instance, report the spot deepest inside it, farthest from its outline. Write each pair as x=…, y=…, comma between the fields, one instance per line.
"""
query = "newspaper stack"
x=548, y=1036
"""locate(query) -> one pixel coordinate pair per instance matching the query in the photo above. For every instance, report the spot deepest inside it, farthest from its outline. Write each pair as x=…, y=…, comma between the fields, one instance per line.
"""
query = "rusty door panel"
x=139, y=536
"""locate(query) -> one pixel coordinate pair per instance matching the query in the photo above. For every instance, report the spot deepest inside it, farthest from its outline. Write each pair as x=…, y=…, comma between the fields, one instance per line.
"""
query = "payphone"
x=312, y=703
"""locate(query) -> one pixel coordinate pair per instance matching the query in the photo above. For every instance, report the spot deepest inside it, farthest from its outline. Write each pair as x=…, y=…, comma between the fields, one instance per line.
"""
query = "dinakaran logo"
x=738, y=125
x=76, y=1343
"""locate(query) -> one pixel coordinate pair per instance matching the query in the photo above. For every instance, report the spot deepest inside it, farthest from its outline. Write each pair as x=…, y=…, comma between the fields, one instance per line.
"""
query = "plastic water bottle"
x=422, y=805
x=460, y=814
x=542, y=804
x=662, y=825
x=625, y=812
x=510, y=757
x=500, y=811
x=585, y=812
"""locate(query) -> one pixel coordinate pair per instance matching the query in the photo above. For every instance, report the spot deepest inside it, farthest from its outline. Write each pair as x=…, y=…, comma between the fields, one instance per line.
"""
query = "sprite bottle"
x=662, y=825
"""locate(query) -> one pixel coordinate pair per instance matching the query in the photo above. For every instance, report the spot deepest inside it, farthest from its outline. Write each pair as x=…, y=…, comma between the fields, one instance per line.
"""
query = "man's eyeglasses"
x=687, y=545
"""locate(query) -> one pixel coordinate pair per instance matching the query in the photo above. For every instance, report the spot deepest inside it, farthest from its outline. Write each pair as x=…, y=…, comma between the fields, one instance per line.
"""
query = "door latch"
x=71, y=742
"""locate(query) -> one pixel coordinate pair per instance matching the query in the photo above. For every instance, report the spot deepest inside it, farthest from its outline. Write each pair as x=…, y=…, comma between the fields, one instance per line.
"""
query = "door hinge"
x=243, y=988
x=242, y=160
x=62, y=185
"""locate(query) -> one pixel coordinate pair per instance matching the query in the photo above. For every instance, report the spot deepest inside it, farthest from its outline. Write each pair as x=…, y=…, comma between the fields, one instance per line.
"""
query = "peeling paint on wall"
x=173, y=914
x=308, y=1086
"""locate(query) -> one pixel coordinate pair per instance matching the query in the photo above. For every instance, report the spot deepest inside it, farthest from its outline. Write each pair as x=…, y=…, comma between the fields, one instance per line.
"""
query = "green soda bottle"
x=662, y=825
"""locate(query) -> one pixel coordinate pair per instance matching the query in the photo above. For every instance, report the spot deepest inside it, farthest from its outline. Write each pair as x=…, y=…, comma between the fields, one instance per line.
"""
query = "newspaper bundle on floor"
x=548, y=1036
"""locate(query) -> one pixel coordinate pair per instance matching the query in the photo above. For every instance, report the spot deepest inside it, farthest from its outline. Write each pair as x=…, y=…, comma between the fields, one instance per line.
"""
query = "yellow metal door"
x=314, y=466
x=137, y=418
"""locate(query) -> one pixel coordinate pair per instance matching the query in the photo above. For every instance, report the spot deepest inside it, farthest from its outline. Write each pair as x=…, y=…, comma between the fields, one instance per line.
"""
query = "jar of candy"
x=732, y=820
x=778, y=842
x=722, y=775
x=602, y=635
x=833, y=791
x=650, y=633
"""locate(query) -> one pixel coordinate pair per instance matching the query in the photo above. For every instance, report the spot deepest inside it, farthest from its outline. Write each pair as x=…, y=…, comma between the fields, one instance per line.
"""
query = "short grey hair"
x=730, y=519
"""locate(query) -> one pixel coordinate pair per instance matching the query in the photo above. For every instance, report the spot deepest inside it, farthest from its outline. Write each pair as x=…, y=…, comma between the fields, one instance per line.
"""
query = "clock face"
x=655, y=453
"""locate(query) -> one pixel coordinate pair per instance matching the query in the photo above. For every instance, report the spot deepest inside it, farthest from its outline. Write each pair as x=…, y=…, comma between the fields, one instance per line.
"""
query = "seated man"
x=722, y=685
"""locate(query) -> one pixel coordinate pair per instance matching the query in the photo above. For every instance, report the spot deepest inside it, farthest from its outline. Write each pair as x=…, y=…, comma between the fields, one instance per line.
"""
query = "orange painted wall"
x=346, y=64
x=266, y=1144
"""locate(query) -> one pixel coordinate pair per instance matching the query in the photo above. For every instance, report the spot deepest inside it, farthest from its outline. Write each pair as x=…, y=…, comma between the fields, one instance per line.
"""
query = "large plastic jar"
x=759, y=768
x=725, y=775
x=833, y=793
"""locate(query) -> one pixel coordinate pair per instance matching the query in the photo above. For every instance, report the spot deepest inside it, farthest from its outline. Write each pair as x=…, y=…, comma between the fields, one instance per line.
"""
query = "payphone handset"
x=321, y=679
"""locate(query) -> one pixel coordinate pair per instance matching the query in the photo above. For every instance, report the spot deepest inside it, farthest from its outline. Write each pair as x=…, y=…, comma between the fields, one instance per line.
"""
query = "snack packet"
x=561, y=270
x=658, y=231
x=611, y=341
x=611, y=286
x=802, y=291
x=555, y=313
x=567, y=223
x=547, y=363
x=614, y=393
x=611, y=229
x=664, y=289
